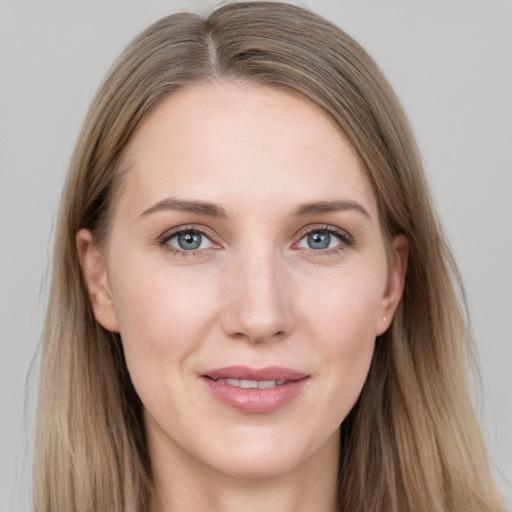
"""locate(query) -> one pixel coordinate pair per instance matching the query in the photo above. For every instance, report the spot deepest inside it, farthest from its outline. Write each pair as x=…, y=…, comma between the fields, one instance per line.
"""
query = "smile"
x=250, y=390
x=252, y=384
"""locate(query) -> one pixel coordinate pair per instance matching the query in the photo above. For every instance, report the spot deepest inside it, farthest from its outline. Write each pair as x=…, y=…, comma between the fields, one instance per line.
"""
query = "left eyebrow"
x=329, y=207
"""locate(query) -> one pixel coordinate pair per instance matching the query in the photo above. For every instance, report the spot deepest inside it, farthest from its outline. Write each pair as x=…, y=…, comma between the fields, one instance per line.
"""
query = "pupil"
x=319, y=240
x=189, y=241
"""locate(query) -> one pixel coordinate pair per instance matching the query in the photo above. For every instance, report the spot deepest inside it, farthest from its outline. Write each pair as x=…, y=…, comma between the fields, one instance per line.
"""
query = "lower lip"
x=256, y=400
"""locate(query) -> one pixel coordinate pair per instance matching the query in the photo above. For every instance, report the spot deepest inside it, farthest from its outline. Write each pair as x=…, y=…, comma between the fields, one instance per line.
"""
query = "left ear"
x=395, y=284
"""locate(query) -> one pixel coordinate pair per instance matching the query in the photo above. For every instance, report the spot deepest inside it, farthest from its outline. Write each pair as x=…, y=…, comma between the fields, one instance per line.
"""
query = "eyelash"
x=163, y=241
x=346, y=241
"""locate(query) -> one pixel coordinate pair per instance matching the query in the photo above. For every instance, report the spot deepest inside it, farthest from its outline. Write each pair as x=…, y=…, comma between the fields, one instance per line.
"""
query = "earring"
x=384, y=318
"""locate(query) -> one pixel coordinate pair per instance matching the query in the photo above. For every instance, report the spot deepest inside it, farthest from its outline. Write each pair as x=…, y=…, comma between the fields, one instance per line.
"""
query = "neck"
x=185, y=484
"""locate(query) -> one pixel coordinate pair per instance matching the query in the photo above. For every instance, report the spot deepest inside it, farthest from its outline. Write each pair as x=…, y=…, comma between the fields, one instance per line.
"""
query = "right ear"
x=96, y=279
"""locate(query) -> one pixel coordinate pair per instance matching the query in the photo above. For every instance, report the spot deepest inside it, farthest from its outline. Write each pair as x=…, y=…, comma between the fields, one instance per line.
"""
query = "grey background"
x=450, y=63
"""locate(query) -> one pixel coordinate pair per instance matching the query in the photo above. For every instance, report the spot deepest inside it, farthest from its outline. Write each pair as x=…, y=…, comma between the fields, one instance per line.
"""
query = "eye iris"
x=189, y=241
x=319, y=240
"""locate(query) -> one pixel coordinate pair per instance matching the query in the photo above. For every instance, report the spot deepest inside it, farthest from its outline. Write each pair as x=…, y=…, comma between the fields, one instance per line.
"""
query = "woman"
x=252, y=303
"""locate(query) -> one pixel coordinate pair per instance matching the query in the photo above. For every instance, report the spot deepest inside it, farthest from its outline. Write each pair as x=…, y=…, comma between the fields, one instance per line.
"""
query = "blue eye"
x=189, y=240
x=322, y=239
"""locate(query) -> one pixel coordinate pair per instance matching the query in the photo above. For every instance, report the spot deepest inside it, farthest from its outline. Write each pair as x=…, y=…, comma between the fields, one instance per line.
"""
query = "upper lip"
x=247, y=373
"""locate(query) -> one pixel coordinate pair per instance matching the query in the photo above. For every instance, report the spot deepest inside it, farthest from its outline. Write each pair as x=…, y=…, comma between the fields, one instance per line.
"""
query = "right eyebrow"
x=199, y=207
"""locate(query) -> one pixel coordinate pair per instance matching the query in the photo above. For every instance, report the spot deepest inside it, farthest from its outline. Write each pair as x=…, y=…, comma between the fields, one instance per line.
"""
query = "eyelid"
x=346, y=239
x=167, y=235
x=342, y=233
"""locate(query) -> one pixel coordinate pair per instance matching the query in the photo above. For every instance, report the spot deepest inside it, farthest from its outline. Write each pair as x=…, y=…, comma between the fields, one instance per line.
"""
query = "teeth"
x=264, y=384
x=252, y=384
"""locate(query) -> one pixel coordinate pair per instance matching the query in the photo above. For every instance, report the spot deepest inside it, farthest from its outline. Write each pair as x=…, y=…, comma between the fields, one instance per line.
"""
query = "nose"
x=257, y=305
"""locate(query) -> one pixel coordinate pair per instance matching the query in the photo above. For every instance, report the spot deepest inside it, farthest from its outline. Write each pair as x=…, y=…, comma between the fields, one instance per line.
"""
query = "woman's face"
x=246, y=272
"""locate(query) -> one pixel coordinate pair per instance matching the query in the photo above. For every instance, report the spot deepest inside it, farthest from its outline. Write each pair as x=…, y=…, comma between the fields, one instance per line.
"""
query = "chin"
x=268, y=454
x=264, y=465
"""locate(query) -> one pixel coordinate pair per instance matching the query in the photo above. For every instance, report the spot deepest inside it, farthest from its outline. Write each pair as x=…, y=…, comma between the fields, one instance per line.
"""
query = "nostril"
x=259, y=338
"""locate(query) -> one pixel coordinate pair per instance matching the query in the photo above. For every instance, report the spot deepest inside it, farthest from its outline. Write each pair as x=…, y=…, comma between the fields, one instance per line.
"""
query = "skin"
x=255, y=294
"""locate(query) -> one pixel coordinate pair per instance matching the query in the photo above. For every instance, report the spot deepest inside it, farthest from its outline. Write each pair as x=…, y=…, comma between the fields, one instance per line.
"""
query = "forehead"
x=241, y=144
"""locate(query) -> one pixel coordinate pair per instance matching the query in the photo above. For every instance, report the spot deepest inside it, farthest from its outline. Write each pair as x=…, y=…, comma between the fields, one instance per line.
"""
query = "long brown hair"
x=411, y=443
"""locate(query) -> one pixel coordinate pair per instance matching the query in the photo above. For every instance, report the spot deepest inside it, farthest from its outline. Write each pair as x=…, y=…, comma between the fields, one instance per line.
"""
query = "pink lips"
x=255, y=400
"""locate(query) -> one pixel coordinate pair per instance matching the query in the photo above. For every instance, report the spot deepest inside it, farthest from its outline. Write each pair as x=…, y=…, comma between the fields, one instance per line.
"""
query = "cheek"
x=346, y=307
x=342, y=322
x=159, y=310
x=164, y=319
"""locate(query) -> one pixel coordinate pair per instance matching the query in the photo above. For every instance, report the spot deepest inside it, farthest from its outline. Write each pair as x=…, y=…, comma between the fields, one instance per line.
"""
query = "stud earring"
x=384, y=318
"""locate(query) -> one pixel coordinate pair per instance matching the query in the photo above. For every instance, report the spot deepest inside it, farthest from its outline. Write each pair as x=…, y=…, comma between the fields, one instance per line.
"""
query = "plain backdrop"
x=450, y=62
